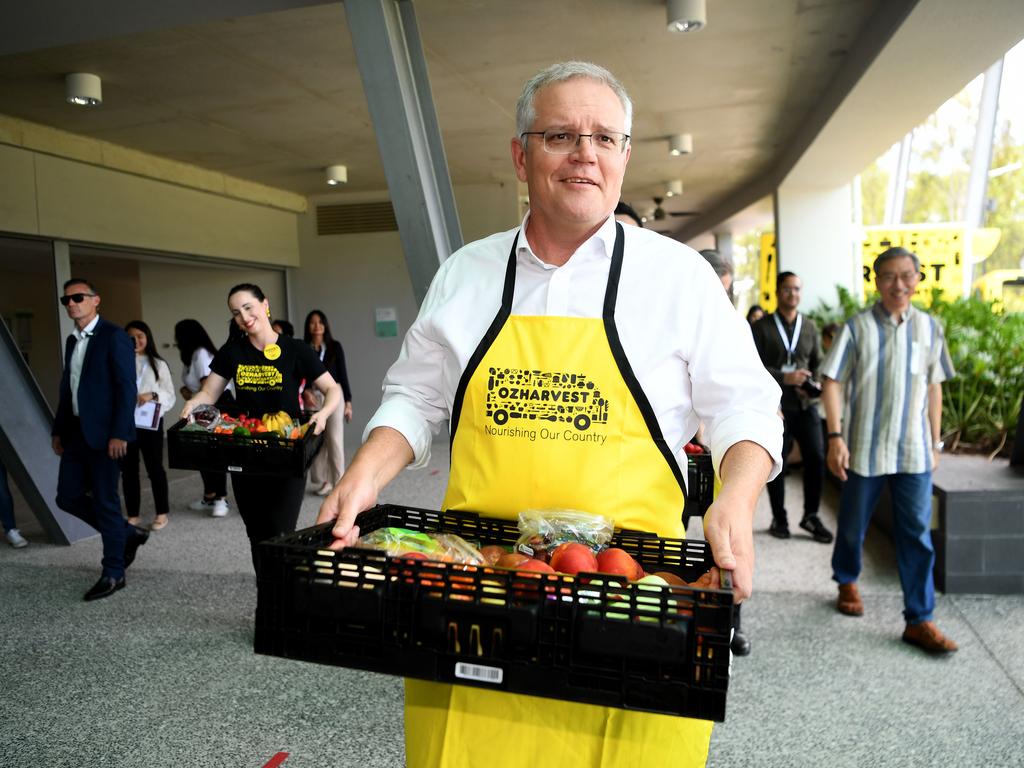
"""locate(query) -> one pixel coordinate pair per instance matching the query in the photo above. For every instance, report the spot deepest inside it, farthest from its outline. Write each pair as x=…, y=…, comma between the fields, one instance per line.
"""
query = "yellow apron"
x=549, y=414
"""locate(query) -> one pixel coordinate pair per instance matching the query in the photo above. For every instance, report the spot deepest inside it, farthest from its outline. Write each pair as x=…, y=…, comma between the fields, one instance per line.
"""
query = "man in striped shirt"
x=889, y=361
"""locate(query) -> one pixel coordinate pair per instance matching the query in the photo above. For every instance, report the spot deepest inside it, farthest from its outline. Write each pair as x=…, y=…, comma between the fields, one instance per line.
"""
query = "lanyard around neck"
x=789, y=346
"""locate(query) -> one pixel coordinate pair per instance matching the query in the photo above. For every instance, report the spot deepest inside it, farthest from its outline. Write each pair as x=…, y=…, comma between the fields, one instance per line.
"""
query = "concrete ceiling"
x=274, y=98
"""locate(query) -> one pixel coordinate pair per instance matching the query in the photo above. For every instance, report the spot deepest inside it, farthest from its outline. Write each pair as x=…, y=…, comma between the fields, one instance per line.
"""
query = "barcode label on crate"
x=478, y=672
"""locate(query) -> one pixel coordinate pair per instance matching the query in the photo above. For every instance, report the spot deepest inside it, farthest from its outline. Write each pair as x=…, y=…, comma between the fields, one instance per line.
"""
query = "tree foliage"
x=874, y=183
x=1005, y=208
x=937, y=184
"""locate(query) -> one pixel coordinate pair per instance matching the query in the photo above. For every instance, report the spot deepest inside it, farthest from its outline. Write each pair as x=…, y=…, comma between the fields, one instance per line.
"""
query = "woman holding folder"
x=156, y=397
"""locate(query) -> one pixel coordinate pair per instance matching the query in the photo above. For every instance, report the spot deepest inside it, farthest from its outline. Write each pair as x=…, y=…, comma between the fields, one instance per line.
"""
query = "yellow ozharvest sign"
x=940, y=247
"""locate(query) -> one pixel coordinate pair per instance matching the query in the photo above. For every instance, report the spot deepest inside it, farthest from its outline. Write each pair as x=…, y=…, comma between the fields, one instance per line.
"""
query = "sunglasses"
x=78, y=298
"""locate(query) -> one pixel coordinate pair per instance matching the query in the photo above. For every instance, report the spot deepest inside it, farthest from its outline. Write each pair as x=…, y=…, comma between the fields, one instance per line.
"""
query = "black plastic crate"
x=661, y=650
x=700, y=492
x=261, y=454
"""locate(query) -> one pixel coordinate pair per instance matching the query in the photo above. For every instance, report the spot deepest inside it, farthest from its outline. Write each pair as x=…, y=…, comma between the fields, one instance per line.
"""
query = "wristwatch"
x=938, y=445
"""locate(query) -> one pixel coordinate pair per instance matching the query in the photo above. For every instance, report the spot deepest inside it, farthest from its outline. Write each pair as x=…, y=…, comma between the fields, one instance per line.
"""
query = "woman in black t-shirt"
x=267, y=370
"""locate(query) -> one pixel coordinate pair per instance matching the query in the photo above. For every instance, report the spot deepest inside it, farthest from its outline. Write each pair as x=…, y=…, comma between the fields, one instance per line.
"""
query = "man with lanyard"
x=790, y=350
x=637, y=324
x=889, y=362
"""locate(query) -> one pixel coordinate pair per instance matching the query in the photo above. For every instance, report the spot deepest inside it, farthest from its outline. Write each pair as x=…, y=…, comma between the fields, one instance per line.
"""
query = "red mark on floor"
x=276, y=760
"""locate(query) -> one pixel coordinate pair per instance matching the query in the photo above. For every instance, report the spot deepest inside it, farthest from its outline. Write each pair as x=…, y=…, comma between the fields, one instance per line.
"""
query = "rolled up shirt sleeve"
x=734, y=395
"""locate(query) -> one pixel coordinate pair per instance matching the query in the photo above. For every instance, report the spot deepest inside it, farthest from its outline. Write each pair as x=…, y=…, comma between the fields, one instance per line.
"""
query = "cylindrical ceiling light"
x=83, y=89
x=337, y=174
x=674, y=188
x=680, y=144
x=686, y=15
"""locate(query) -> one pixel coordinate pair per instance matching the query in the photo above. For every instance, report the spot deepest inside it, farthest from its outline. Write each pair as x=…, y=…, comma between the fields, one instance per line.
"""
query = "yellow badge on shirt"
x=271, y=351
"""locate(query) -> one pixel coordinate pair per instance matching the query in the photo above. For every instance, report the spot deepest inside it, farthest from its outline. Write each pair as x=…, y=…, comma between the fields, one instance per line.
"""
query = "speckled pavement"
x=163, y=673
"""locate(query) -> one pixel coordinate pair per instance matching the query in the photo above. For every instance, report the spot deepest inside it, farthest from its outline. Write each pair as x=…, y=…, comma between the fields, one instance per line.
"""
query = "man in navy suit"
x=95, y=421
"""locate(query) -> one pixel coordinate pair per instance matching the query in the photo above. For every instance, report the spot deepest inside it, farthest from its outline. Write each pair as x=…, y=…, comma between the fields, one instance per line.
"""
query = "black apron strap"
x=619, y=354
x=485, y=343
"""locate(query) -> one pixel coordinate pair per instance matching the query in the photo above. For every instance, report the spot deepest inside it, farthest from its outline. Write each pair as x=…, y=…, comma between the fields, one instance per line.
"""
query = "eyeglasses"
x=905, y=277
x=78, y=298
x=559, y=142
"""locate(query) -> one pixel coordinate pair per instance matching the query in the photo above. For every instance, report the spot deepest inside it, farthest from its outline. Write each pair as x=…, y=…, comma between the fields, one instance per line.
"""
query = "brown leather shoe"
x=926, y=635
x=849, y=601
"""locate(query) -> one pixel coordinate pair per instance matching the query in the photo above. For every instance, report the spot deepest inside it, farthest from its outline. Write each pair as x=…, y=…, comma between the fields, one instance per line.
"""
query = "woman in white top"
x=156, y=397
x=197, y=350
x=329, y=464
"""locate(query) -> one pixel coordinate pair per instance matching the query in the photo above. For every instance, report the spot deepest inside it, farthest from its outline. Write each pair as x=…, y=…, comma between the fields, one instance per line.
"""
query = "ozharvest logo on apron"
x=529, y=396
x=549, y=413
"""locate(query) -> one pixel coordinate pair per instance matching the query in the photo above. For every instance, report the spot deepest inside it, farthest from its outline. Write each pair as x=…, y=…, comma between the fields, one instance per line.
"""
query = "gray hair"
x=719, y=262
x=559, y=73
x=896, y=252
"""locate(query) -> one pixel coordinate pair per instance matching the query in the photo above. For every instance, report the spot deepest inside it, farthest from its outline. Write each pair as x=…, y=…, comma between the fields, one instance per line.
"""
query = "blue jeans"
x=912, y=516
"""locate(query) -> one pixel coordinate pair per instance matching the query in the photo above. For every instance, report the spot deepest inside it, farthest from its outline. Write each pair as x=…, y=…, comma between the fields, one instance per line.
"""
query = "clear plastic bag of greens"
x=403, y=542
x=542, y=530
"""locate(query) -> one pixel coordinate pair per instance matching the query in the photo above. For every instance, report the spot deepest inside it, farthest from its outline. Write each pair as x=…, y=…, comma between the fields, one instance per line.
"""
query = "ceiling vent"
x=355, y=218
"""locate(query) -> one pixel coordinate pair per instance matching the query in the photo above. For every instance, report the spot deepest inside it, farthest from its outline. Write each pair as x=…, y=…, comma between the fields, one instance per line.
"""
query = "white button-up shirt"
x=78, y=357
x=690, y=350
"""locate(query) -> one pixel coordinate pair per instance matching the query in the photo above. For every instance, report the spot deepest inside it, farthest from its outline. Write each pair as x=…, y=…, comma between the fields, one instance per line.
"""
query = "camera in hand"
x=811, y=388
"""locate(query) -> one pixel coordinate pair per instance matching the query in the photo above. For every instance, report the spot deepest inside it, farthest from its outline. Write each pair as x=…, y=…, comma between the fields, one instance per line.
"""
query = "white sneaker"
x=219, y=508
x=15, y=539
x=199, y=506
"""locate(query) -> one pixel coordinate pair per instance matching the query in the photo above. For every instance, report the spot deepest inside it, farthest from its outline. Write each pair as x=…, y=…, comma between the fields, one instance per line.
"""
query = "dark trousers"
x=268, y=505
x=215, y=484
x=803, y=426
x=150, y=443
x=6, y=502
x=87, y=489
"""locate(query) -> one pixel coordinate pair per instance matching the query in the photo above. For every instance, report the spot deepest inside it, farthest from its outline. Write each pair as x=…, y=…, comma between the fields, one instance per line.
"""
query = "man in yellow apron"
x=573, y=358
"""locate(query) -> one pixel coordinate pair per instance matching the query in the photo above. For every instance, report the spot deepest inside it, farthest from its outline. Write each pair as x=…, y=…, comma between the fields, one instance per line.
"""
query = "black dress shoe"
x=105, y=587
x=819, y=532
x=779, y=529
x=136, y=538
x=740, y=644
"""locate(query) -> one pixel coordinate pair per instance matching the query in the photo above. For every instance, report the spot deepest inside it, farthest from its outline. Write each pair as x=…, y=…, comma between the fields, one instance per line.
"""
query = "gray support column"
x=394, y=73
x=62, y=273
x=897, y=193
x=814, y=237
x=25, y=445
x=723, y=244
x=981, y=161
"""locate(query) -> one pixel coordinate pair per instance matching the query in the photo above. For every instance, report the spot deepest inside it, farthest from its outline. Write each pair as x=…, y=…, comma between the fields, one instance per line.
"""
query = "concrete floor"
x=163, y=674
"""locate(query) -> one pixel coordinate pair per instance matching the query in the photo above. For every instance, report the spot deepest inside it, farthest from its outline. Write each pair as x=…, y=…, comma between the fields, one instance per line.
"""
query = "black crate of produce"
x=259, y=454
x=700, y=490
x=586, y=638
